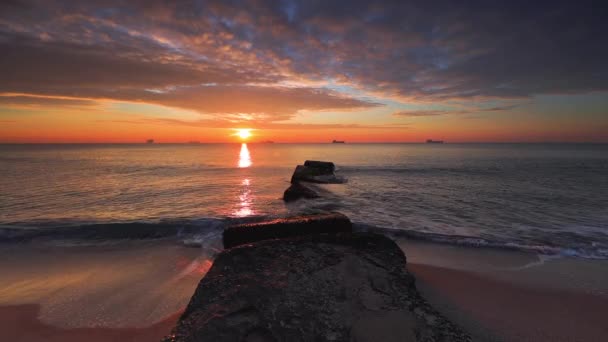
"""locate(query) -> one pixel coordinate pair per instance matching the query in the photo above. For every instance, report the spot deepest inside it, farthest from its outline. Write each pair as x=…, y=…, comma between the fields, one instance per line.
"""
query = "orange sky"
x=104, y=121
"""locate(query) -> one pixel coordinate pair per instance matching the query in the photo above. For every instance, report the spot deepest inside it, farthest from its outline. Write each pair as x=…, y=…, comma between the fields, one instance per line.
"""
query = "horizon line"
x=302, y=142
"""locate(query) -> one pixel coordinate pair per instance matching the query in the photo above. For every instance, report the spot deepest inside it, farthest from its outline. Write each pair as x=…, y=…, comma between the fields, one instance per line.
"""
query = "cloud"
x=24, y=100
x=232, y=102
x=469, y=110
x=32, y=64
x=220, y=123
x=422, y=113
x=242, y=52
x=44, y=70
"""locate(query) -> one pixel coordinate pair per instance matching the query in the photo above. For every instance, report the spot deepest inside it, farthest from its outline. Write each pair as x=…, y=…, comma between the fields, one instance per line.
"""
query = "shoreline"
x=496, y=295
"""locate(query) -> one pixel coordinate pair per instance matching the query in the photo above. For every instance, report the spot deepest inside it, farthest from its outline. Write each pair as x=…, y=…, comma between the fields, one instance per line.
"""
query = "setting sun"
x=243, y=133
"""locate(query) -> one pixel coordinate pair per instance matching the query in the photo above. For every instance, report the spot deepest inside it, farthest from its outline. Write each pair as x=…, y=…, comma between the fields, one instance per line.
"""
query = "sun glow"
x=243, y=133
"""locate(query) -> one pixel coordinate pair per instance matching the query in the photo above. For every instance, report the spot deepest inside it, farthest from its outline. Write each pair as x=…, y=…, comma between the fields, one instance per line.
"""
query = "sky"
x=303, y=71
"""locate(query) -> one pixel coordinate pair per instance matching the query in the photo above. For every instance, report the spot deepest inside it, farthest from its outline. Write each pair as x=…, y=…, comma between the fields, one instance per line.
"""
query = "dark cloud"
x=471, y=110
x=30, y=63
x=18, y=100
x=422, y=113
x=199, y=54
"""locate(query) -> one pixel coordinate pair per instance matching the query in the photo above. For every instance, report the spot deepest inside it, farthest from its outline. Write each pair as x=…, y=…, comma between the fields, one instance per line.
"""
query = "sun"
x=243, y=133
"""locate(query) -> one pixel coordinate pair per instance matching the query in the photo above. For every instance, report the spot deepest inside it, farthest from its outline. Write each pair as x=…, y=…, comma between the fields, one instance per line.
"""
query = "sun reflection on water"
x=245, y=200
x=244, y=157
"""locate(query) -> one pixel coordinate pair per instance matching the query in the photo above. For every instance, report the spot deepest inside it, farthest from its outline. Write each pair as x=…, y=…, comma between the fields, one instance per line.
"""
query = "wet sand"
x=513, y=296
x=20, y=323
x=117, y=292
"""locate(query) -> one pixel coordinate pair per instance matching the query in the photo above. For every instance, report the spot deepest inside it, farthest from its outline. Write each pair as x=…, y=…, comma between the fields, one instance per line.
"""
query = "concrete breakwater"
x=310, y=278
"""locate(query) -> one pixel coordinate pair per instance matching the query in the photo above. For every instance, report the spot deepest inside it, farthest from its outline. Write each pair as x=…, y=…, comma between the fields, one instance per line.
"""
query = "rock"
x=297, y=191
x=329, y=287
x=327, y=167
x=287, y=227
x=304, y=173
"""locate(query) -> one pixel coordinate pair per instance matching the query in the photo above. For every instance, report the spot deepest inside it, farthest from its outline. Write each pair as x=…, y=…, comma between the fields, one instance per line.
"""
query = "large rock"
x=287, y=227
x=297, y=191
x=304, y=173
x=332, y=287
x=327, y=167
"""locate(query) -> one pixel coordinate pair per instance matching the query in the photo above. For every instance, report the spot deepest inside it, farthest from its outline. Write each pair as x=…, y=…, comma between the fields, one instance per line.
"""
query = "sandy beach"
x=119, y=292
x=135, y=292
x=512, y=296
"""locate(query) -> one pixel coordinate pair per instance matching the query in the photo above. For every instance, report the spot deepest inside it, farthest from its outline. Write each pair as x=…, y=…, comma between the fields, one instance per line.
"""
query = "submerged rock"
x=328, y=287
x=287, y=227
x=297, y=191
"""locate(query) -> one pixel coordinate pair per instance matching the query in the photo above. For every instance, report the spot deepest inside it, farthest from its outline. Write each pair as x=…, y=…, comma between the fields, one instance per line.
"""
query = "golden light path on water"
x=244, y=157
x=245, y=199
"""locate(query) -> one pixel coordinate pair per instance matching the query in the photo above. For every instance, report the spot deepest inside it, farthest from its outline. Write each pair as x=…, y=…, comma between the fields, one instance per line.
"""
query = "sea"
x=545, y=198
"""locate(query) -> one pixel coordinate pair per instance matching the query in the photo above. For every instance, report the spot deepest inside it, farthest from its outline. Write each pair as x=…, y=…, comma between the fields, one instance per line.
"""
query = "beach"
x=120, y=292
x=136, y=291
x=513, y=296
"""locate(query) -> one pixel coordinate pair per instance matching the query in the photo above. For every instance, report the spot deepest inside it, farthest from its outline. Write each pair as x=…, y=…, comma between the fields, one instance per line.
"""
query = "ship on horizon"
x=338, y=142
x=150, y=141
x=431, y=141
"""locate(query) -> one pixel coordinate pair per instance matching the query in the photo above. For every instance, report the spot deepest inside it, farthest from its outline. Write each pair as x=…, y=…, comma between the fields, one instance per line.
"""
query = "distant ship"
x=267, y=142
x=150, y=141
x=338, y=142
x=193, y=142
x=431, y=141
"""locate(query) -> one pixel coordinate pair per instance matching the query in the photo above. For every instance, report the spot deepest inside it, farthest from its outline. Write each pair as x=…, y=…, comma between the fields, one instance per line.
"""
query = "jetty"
x=310, y=278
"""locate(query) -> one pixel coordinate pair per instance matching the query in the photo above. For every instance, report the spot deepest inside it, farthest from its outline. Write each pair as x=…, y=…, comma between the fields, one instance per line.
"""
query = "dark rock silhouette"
x=316, y=172
x=283, y=228
x=313, y=171
x=327, y=167
x=297, y=191
x=326, y=287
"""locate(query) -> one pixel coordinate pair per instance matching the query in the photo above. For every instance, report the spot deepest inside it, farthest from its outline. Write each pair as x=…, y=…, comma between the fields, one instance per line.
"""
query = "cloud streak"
x=472, y=110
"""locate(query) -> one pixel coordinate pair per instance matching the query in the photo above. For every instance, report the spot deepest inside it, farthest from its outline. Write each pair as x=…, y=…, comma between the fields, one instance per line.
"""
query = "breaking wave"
x=206, y=233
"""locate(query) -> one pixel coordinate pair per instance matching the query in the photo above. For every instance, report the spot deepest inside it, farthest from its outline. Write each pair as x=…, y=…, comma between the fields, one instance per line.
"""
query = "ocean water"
x=550, y=198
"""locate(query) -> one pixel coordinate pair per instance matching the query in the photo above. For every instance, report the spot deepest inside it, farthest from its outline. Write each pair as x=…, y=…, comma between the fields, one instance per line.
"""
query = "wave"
x=108, y=231
x=585, y=252
x=419, y=170
x=206, y=233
